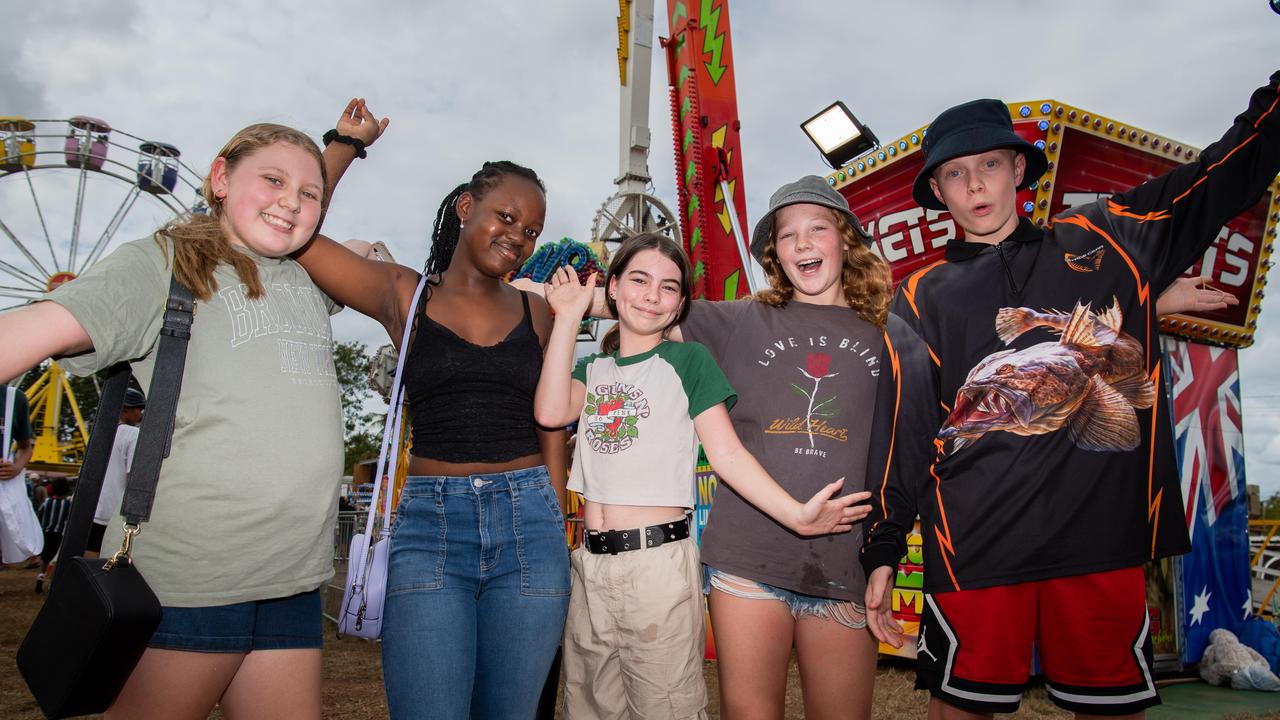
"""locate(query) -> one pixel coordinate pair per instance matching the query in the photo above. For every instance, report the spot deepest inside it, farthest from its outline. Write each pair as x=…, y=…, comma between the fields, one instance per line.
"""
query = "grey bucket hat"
x=809, y=189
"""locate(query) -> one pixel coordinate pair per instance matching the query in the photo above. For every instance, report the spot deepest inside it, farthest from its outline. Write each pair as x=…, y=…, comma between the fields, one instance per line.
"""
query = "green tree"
x=360, y=429
x=1271, y=507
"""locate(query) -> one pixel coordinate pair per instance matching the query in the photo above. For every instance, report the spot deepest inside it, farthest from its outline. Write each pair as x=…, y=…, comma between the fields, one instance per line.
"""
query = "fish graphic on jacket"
x=1089, y=381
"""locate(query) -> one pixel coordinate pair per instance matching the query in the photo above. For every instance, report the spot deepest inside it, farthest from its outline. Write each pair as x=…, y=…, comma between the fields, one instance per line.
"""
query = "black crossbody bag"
x=100, y=613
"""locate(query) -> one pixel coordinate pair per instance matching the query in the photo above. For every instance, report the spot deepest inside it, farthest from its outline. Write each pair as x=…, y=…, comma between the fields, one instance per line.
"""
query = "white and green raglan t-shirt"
x=636, y=442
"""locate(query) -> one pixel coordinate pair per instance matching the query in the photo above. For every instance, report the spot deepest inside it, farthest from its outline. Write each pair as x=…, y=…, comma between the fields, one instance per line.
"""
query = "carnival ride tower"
x=633, y=209
x=708, y=147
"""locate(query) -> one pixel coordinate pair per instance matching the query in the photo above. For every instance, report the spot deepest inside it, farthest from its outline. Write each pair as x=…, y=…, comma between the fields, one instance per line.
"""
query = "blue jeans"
x=477, y=590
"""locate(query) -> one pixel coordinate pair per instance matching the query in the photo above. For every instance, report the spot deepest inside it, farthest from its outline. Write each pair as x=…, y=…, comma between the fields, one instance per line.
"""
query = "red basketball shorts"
x=1091, y=632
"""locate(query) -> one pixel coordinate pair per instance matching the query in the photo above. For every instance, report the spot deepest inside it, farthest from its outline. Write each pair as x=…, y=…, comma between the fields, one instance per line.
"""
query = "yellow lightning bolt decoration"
x=717, y=141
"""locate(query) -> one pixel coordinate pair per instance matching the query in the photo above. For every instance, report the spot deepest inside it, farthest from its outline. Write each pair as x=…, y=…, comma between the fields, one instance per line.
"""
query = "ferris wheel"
x=69, y=191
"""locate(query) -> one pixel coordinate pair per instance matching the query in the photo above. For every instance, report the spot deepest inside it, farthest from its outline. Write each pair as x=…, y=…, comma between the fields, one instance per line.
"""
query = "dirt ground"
x=353, y=673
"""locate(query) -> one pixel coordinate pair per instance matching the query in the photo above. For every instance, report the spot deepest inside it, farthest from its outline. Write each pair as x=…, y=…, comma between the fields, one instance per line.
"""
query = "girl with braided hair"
x=478, y=576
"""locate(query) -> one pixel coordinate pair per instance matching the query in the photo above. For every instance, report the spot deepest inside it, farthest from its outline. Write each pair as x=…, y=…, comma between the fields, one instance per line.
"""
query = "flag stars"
x=1201, y=605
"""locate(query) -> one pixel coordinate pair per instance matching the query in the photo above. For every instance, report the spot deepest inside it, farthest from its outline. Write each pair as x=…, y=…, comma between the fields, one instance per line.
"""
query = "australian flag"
x=1204, y=383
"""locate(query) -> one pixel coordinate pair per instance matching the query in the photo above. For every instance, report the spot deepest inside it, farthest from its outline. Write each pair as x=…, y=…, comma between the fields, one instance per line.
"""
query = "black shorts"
x=52, y=540
x=96, y=532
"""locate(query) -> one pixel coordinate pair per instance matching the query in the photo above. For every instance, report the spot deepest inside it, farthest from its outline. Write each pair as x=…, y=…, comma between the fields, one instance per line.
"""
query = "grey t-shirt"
x=806, y=378
x=246, y=501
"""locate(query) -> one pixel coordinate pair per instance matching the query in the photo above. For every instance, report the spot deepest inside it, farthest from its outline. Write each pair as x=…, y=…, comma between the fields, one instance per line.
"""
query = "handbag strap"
x=156, y=433
x=165, y=383
x=89, y=486
x=6, y=451
x=389, y=450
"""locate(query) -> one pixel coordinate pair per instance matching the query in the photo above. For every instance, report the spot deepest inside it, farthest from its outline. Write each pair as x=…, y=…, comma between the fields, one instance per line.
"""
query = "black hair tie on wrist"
x=357, y=143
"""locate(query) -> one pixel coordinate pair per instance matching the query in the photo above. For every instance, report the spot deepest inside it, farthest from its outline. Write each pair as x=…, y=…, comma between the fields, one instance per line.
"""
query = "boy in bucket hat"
x=1019, y=417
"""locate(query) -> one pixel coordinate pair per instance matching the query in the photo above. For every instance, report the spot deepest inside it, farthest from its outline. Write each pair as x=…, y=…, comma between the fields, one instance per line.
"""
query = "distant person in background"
x=54, y=512
x=117, y=474
x=15, y=424
x=19, y=529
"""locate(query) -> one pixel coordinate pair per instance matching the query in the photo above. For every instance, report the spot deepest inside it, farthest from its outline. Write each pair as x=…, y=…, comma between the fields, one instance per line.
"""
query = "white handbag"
x=366, y=589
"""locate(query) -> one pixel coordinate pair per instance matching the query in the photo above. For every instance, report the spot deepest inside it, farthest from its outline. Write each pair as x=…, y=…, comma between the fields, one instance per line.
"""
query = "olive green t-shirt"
x=246, y=501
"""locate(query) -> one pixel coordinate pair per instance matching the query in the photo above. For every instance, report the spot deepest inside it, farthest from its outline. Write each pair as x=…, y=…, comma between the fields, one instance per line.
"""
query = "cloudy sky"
x=537, y=82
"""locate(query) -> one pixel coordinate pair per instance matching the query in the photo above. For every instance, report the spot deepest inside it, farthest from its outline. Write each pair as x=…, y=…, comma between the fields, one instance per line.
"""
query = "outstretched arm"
x=599, y=308
x=381, y=290
x=732, y=462
x=1193, y=294
x=36, y=332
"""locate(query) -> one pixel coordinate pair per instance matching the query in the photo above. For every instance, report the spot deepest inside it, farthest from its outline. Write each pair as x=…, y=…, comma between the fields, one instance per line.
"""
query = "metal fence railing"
x=1265, y=565
x=342, y=533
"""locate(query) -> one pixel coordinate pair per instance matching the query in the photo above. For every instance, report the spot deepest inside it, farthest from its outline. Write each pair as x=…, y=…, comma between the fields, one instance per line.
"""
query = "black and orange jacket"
x=1018, y=408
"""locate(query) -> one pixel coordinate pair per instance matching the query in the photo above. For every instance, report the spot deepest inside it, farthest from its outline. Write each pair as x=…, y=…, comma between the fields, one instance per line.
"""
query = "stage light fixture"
x=839, y=136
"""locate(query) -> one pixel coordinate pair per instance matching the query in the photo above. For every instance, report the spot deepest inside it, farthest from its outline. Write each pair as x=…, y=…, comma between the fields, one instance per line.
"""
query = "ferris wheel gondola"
x=68, y=189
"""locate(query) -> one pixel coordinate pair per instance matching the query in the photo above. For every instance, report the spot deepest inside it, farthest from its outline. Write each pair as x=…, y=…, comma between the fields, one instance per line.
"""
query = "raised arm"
x=552, y=441
x=356, y=122
x=36, y=332
x=735, y=465
x=1171, y=220
x=560, y=396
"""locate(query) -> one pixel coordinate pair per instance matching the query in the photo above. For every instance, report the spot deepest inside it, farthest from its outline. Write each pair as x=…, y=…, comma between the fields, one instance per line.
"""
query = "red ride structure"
x=708, y=150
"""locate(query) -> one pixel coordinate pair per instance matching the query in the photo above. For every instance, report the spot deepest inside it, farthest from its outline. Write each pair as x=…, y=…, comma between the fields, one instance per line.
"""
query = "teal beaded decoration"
x=555, y=255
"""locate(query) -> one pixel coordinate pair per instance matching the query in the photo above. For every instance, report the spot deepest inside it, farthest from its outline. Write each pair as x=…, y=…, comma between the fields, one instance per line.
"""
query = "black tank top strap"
x=528, y=314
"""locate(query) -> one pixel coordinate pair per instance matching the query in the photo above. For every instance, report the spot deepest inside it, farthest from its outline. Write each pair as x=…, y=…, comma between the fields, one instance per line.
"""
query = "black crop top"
x=470, y=403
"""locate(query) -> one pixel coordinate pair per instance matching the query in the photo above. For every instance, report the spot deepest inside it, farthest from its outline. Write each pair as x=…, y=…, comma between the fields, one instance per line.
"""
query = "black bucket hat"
x=974, y=127
x=809, y=189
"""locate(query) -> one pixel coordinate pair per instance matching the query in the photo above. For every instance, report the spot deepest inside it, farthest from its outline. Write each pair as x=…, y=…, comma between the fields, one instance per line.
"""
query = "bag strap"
x=89, y=486
x=156, y=433
x=6, y=449
x=165, y=385
x=389, y=451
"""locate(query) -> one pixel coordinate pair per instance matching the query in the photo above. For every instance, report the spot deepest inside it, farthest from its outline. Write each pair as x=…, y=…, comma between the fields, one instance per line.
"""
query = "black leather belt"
x=613, y=542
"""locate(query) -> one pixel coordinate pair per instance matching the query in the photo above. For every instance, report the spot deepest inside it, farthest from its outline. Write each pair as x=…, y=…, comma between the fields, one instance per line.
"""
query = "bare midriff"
x=602, y=516
x=428, y=466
